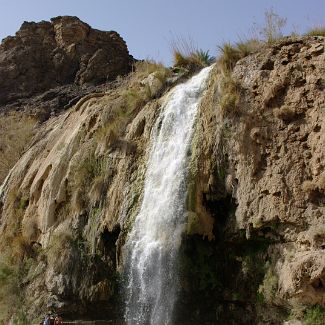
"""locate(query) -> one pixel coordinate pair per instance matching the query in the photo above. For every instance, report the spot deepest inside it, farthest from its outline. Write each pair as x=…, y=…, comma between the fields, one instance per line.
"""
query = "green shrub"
x=194, y=60
x=201, y=58
x=20, y=318
x=314, y=316
x=89, y=168
x=269, y=286
x=12, y=278
x=188, y=56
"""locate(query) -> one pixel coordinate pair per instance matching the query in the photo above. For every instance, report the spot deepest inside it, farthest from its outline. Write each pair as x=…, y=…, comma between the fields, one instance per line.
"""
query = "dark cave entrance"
x=107, y=245
x=215, y=287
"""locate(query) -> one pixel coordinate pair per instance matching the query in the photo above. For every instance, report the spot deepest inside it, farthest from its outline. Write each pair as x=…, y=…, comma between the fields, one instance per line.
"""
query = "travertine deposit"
x=254, y=248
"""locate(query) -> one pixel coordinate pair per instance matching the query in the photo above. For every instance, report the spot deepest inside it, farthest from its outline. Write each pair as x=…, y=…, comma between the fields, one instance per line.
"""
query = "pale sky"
x=150, y=26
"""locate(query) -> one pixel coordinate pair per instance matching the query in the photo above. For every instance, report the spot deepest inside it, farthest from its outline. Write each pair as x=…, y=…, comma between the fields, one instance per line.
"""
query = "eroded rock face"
x=49, y=54
x=255, y=196
x=259, y=182
x=278, y=158
x=73, y=167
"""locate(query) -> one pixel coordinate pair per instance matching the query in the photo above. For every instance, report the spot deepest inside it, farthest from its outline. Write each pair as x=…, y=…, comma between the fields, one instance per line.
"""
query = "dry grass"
x=188, y=56
x=230, y=54
x=13, y=275
x=192, y=61
x=142, y=69
x=91, y=172
x=268, y=33
x=229, y=88
x=321, y=182
x=285, y=113
x=16, y=131
x=229, y=95
x=133, y=96
x=315, y=185
x=274, y=24
x=317, y=31
x=309, y=186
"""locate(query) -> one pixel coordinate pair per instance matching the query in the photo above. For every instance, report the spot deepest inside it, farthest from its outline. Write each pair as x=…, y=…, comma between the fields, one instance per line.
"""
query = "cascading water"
x=153, y=244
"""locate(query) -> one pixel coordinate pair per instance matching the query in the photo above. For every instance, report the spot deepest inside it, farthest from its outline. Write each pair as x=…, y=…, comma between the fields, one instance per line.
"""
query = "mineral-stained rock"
x=66, y=50
x=256, y=200
x=280, y=170
x=99, y=143
x=261, y=171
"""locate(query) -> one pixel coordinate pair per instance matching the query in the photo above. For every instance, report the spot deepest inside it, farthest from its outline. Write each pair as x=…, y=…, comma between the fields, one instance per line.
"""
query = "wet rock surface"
x=254, y=247
x=259, y=177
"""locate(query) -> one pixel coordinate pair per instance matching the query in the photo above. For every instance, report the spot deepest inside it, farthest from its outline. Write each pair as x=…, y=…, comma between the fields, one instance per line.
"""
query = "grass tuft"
x=137, y=92
x=314, y=316
x=192, y=61
x=230, y=54
x=272, y=30
x=229, y=96
x=317, y=31
x=16, y=130
x=188, y=56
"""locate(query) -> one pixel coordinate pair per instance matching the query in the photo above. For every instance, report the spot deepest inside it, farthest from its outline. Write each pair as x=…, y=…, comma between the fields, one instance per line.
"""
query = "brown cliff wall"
x=253, y=252
x=259, y=180
x=64, y=51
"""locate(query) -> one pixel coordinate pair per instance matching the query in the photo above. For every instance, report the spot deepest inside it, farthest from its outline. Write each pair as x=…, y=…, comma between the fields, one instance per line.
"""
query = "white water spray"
x=153, y=244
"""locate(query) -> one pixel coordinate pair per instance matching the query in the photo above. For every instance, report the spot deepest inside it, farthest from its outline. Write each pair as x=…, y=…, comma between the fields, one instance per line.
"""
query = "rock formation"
x=64, y=51
x=260, y=175
x=254, y=248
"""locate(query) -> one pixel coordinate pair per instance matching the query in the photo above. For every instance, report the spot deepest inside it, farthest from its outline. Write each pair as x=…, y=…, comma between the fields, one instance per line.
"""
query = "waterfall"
x=151, y=250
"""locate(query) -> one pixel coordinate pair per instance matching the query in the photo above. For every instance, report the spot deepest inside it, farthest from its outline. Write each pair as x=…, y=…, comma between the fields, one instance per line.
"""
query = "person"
x=58, y=320
x=47, y=320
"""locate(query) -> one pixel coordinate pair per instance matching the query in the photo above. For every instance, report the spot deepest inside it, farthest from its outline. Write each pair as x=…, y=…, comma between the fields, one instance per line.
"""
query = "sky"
x=150, y=27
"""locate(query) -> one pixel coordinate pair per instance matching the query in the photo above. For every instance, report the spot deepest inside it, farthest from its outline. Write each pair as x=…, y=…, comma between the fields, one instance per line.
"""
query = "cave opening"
x=221, y=277
x=107, y=244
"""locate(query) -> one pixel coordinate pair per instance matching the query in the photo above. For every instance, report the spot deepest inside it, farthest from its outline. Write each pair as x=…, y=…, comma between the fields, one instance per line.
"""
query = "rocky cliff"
x=253, y=251
x=260, y=175
x=47, y=67
x=49, y=54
